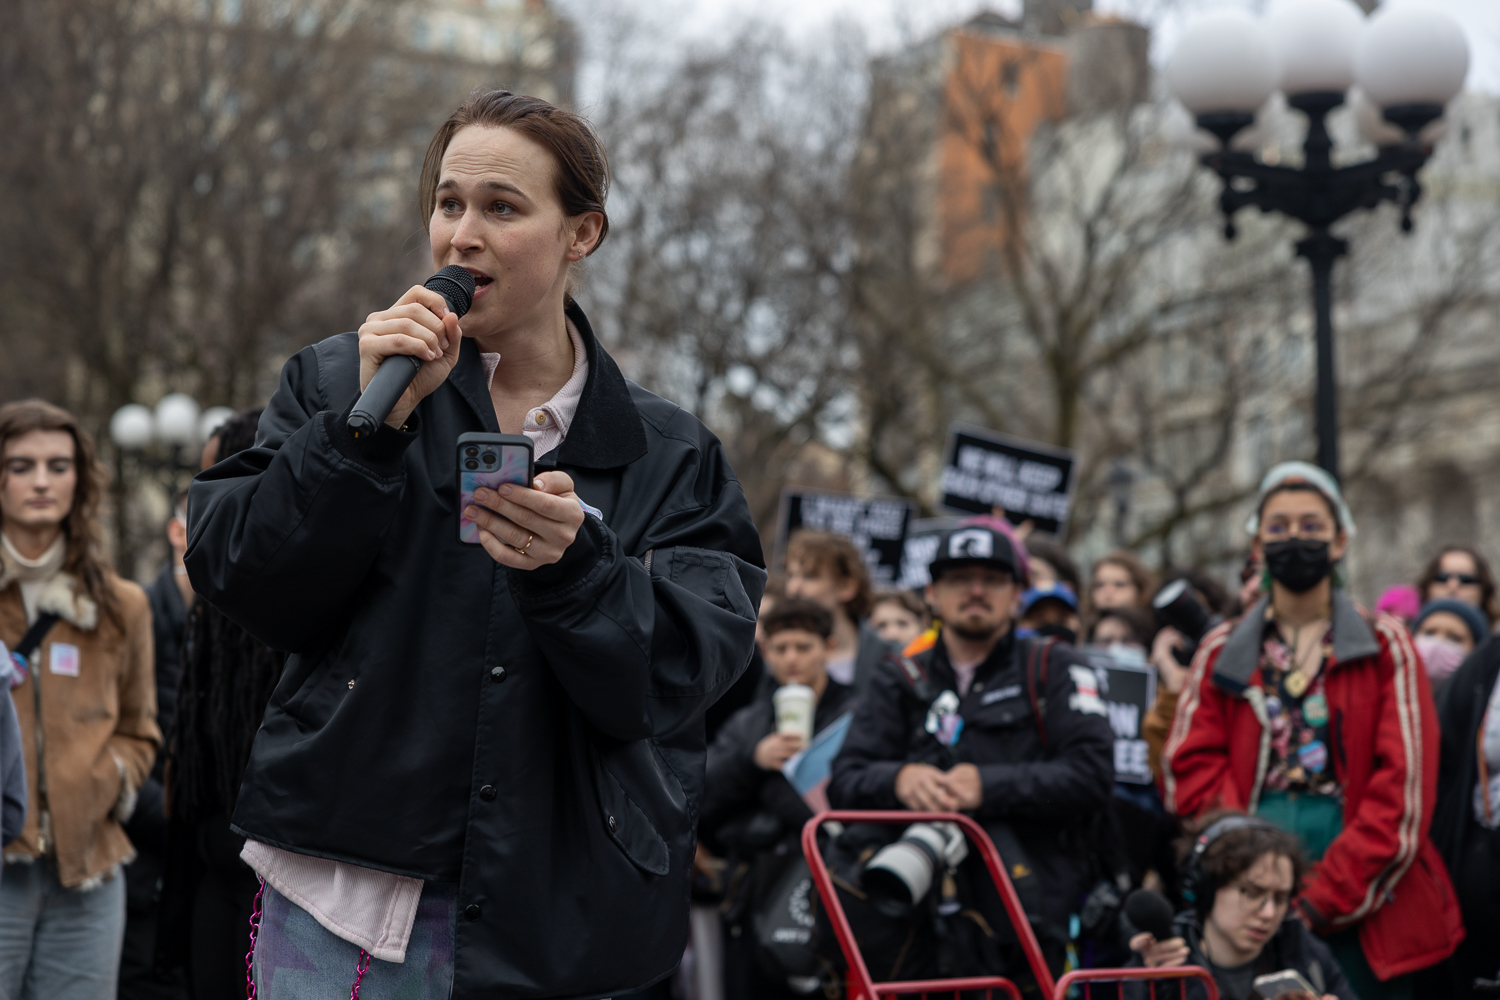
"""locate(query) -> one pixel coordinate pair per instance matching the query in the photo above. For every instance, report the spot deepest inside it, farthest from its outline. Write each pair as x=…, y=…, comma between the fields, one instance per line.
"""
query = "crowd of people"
x=1323, y=798
x=1326, y=795
x=388, y=755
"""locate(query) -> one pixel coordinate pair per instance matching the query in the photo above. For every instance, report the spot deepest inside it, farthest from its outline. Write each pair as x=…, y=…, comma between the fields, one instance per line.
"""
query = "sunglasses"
x=1463, y=578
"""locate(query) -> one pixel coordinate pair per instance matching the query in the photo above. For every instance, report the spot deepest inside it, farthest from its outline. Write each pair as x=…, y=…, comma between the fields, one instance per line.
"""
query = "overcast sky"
x=888, y=22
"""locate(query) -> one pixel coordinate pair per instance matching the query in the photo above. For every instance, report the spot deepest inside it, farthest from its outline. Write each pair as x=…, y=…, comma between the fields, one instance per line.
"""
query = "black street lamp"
x=1407, y=61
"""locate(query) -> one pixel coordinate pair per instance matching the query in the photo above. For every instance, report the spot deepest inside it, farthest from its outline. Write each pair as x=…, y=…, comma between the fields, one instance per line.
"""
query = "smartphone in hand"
x=488, y=461
x=1288, y=984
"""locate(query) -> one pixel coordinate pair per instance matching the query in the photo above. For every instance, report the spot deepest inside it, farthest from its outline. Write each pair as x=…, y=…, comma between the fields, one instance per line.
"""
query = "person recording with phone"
x=480, y=770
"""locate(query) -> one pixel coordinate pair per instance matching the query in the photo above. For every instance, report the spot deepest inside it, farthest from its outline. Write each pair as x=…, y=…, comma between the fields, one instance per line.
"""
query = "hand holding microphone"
x=406, y=351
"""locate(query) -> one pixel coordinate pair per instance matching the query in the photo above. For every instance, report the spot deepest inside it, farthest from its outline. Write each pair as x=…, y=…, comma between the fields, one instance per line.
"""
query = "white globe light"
x=1411, y=55
x=1223, y=62
x=177, y=419
x=1314, y=42
x=213, y=418
x=131, y=426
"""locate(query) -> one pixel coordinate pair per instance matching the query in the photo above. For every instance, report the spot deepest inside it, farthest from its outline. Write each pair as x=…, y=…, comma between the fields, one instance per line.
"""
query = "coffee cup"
x=795, y=704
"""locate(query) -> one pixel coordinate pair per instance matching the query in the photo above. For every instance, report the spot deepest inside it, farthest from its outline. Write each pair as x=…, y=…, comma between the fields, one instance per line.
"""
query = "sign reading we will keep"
x=1029, y=481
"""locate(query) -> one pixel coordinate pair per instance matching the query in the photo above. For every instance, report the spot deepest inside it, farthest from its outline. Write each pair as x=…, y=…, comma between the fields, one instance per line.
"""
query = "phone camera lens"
x=489, y=458
x=471, y=465
x=471, y=451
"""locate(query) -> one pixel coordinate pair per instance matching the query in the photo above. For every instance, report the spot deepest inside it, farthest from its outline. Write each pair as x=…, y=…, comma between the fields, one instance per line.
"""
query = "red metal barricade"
x=862, y=987
x=1086, y=978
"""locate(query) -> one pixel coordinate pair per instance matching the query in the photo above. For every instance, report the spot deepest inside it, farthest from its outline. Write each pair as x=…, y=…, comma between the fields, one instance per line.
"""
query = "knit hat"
x=1302, y=472
x=1478, y=627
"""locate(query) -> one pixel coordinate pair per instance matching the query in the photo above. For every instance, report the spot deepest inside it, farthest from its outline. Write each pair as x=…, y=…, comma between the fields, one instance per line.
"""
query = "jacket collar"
x=606, y=432
x=1352, y=639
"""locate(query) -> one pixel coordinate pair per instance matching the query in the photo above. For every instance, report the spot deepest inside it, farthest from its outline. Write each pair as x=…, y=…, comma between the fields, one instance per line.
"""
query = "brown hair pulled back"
x=581, y=179
x=86, y=557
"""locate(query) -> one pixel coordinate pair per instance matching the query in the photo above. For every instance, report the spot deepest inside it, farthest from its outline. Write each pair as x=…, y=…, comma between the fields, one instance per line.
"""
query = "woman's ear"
x=585, y=234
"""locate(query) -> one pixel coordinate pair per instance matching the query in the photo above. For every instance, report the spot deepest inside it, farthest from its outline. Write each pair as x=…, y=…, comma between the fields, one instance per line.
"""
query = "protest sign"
x=1127, y=686
x=876, y=525
x=1029, y=481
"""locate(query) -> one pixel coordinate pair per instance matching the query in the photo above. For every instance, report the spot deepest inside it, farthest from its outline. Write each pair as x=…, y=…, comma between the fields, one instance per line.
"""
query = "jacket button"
x=471, y=912
x=613, y=826
x=487, y=793
x=497, y=674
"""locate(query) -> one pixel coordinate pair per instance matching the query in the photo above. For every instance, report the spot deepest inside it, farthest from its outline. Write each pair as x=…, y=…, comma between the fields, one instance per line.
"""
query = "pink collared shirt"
x=372, y=909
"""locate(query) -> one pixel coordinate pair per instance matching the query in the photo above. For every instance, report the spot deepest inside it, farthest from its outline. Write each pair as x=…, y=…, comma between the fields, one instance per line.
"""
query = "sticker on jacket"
x=63, y=659
x=1085, y=697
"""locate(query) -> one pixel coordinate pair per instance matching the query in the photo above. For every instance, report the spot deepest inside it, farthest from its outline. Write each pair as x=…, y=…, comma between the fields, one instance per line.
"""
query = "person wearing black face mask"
x=1311, y=715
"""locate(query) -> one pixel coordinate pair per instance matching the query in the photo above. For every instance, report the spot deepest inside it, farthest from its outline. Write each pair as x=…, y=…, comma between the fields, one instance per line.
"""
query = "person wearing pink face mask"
x=1445, y=632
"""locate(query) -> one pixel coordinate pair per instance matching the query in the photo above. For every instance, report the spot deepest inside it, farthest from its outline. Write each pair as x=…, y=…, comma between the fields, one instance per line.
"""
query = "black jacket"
x=1292, y=947
x=1471, y=851
x=1046, y=794
x=148, y=823
x=734, y=785
x=535, y=737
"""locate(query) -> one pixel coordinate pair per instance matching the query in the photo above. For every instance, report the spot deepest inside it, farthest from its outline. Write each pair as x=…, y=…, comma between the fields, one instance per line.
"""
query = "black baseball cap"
x=975, y=544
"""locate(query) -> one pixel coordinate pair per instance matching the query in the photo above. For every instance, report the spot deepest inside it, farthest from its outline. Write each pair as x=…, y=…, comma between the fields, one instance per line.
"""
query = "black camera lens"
x=471, y=451
x=489, y=458
x=471, y=465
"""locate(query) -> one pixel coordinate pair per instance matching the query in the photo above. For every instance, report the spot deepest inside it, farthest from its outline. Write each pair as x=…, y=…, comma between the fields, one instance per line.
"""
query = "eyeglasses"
x=1463, y=578
x=1253, y=897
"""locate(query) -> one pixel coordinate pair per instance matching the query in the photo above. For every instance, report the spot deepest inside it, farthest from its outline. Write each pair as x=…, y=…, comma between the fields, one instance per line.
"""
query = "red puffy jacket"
x=1381, y=872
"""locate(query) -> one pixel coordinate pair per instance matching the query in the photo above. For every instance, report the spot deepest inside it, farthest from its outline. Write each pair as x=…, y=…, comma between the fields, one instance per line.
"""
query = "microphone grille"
x=456, y=285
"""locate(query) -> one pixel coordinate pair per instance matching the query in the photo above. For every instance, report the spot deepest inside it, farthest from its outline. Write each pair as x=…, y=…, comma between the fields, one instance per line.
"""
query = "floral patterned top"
x=1301, y=759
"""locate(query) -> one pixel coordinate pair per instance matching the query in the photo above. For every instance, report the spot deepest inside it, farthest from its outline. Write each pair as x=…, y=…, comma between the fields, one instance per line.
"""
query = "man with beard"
x=1011, y=731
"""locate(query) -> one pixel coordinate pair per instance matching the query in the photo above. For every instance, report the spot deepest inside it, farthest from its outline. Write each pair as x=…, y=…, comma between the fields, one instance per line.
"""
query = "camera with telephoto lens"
x=901, y=874
x=1177, y=607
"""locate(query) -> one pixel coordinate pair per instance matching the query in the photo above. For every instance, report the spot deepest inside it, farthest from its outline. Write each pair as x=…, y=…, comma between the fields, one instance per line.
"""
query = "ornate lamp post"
x=1408, y=61
x=162, y=445
x=163, y=442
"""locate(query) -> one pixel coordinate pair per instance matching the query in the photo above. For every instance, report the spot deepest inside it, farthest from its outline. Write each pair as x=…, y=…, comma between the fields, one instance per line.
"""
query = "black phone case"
x=505, y=469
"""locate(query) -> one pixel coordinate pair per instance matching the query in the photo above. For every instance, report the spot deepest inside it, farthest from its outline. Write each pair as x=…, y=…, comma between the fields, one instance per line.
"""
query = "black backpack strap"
x=1038, y=656
x=35, y=634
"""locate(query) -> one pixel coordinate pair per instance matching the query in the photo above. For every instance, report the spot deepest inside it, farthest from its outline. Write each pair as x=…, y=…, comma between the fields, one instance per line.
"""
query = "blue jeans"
x=57, y=943
x=297, y=958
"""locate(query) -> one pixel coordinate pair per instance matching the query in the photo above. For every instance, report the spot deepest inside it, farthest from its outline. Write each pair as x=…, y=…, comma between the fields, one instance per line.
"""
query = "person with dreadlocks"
x=227, y=678
x=86, y=698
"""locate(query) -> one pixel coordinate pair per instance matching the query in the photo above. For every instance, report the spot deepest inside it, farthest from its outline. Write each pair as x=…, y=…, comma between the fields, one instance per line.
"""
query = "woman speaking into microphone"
x=480, y=771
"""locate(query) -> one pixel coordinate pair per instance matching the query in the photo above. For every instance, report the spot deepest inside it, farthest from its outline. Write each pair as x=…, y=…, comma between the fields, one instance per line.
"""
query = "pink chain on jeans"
x=359, y=970
x=359, y=973
x=250, y=955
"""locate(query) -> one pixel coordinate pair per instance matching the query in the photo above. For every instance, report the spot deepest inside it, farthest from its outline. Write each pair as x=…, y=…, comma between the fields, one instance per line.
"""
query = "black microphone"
x=396, y=372
x=1150, y=912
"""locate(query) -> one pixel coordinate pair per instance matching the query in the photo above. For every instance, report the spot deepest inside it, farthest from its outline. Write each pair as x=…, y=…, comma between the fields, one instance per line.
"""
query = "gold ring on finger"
x=522, y=548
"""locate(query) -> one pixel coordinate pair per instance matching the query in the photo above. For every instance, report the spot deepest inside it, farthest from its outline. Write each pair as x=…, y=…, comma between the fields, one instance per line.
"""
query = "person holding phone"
x=1242, y=875
x=479, y=773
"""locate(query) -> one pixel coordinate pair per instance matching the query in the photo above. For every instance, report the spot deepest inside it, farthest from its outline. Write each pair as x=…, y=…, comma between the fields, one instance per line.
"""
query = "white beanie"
x=1302, y=472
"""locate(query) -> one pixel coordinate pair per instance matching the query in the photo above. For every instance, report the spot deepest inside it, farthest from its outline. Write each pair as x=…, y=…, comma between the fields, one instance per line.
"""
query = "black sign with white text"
x=1029, y=481
x=876, y=525
x=1127, y=686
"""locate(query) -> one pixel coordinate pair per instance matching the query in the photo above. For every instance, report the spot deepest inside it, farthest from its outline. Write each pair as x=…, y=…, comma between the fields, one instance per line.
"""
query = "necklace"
x=1299, y=676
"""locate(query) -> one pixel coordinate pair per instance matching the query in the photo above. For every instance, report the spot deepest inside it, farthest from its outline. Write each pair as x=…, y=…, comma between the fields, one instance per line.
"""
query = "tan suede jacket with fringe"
x=99, y=728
